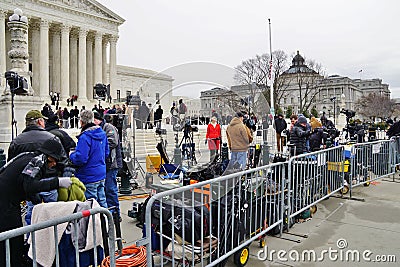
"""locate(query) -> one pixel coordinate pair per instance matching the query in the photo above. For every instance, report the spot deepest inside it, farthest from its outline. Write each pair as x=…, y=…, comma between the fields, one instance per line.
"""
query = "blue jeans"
x=239, y=157
x=112, y=190
x=46, y=197
x=96, y=191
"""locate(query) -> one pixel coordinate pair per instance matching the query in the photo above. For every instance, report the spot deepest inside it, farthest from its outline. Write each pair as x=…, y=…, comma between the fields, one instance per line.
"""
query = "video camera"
x=18, y=84
x=100, y=91
x=161, y=131
x=349, y=113
x=189, y=128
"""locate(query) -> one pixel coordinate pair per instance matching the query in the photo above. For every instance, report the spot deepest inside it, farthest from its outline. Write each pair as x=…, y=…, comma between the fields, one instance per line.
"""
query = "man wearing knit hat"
x=299, y=135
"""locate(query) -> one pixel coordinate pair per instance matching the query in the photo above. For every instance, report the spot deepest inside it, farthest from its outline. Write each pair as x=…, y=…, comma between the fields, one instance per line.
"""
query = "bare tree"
x=308, y=89
x=376, y=106
x=256, y=71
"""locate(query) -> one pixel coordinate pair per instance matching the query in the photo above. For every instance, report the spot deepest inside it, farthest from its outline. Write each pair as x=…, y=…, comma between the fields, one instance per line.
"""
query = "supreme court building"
x=72, y=46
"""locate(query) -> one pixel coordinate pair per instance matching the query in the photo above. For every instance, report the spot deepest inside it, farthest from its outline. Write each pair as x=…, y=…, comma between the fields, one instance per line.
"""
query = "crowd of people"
x=43, y=158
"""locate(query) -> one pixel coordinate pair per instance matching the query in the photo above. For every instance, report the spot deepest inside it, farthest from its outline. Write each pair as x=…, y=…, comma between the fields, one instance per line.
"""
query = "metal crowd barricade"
x=394, y=148
x=369, y=162
x=207, y=222
x=31, y=229
x=313, y=177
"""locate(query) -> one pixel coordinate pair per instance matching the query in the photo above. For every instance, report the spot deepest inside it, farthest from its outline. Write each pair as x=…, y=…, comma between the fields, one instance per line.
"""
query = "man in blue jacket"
x=90, y=158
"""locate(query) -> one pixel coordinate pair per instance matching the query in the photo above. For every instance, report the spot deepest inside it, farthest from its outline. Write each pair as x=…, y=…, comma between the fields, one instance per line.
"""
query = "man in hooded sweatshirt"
x=90, y=158
x=239, y=137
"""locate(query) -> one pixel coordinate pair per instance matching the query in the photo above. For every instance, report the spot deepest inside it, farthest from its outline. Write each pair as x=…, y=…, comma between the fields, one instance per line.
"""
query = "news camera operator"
x=298, y=136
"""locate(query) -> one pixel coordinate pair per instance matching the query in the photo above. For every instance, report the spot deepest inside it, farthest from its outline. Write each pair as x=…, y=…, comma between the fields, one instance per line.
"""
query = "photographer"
x=299, y=135
x=318, y=139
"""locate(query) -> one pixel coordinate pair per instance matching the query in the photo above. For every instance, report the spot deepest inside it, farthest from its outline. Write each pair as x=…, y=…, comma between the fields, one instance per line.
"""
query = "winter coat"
x=90, y=154
x=31, y=138
x=143, y=112
x=280, y=125
x=19, y=180
x=158, y=114
x=317, y=138
x=113, y=141
x=212, y=134
x=298, y=137
x=66, y=140
x=239, y=136
x=394, y=129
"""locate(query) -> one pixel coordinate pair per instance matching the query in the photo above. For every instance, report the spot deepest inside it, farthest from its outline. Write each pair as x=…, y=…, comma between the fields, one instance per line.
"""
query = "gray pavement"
x=371, y=227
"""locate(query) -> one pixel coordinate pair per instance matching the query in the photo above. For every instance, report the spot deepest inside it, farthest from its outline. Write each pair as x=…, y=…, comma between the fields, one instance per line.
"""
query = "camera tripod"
x=188, y=146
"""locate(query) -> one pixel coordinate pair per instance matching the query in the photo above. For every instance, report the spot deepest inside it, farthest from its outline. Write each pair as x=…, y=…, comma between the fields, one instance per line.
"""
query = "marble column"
x=65, y=29
x=104, y=60
x=73, y=64
x=82, y=65
x=98, y=76
x=35, y=59
x=3, y=53
x=113, y=66
x=89, y=68
x=56, y=61
x=44, y=59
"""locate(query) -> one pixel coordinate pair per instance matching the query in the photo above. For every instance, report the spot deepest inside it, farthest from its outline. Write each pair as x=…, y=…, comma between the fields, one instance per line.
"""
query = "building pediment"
x=86, y=6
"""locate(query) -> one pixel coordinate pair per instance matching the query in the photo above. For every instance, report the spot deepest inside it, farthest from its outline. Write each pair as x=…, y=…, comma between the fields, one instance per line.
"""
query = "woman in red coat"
x=213, y=137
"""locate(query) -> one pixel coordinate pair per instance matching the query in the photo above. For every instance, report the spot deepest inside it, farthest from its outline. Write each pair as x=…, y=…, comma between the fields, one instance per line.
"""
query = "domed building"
x=299, y=86
x=303, y=89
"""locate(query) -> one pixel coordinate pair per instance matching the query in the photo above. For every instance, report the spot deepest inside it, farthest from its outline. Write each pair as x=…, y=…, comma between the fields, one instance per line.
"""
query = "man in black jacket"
x=52, y=126
x=20, y=179
x=158, y=117
x=32, y=137
x=299, y=135
x=280, y=126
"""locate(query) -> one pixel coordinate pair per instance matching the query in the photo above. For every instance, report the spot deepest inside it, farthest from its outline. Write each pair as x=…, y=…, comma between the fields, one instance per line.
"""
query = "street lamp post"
x=333, y=99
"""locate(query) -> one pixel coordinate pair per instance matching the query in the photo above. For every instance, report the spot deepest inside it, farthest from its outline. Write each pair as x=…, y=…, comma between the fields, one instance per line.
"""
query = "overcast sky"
x=345, y=36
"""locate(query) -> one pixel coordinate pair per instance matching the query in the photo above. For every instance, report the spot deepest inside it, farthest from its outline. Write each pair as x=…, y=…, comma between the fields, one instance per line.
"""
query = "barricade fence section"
x=75, y=220
x=312, y=178
x=369, y=162
x=205, y=223
x=394, y=145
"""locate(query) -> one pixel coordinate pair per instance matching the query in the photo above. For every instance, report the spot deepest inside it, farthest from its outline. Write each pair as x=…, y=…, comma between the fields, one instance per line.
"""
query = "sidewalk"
x=372, y=225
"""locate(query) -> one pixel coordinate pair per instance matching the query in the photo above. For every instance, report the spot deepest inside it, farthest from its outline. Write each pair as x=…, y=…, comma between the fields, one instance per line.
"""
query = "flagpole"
x=272, y=108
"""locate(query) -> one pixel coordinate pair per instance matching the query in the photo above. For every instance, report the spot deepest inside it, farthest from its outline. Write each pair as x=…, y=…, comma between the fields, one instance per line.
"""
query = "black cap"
x=52, y=148
x=97, y=115
x=239, y=114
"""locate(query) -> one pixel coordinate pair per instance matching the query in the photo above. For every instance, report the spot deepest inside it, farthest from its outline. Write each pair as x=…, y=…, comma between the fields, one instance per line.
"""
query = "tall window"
x=157, y=96
x=128, y=93
x=119, y=95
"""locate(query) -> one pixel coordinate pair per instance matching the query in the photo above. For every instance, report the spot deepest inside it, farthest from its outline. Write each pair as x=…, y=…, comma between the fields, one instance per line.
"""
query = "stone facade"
x=71, y=46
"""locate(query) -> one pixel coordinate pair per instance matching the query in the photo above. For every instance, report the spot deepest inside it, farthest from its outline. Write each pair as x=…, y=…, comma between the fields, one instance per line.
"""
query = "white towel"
x=45, y=248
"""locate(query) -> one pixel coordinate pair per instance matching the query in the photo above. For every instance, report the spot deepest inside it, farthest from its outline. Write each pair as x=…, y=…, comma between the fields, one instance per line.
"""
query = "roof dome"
x=298, y=60
x=298, y=66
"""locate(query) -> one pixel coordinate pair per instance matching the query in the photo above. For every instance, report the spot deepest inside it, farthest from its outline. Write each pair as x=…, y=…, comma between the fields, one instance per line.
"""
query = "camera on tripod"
x=161, y=131
x=100, y=91
x=18, y=84
x=189, y=128
x=349, y=113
